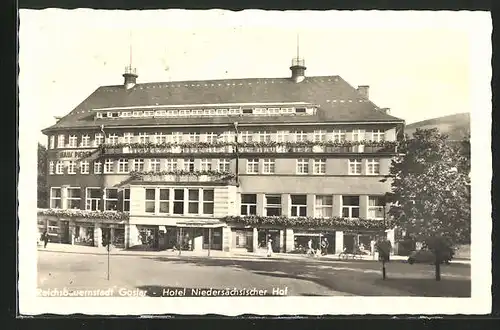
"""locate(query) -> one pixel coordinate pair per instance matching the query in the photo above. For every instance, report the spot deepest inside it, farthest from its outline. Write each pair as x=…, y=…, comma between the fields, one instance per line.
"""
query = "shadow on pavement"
x=429, y=287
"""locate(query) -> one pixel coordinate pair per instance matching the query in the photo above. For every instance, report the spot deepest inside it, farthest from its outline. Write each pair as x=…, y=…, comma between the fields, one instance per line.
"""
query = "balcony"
x=184, y=177
x=324, y=147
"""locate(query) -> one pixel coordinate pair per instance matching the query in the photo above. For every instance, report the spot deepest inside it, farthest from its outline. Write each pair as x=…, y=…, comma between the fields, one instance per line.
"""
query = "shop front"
x=266, y=234
x=363, y=243
x=84, y=234
x=302, y=238
x=203, y=235
x=148, y=237
x=242, y=239
x=115, y=233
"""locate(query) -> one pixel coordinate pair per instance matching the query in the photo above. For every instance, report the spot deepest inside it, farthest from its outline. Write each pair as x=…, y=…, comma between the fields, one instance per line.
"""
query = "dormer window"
x=126, y=114
x=148, y=113
x=206, y=112
x=137, y=113
x=300, y=110
x=110, y=114
x=234, y=111
x=160, y=113
x=247, y=111
x=274, y=110
x=260, y=111
x=99, y=115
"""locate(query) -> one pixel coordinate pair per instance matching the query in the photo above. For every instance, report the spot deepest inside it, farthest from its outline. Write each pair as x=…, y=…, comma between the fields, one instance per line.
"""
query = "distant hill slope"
x=455, y=126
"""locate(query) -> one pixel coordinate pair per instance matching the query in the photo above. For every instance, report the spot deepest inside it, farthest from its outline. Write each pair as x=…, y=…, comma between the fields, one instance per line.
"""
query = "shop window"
x=273, y=205
x=74, y=197
x=55, y=198
x=111, y=199
x=248, y=204
x=92, y=198
x=150, y=200
x=299, y=205
x=350, y=206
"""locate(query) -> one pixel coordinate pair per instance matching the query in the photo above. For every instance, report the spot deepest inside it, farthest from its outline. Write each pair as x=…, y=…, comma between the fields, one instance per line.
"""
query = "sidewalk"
x=79, y=249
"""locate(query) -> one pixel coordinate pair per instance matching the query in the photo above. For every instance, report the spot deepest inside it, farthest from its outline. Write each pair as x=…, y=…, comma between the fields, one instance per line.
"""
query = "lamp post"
x=383, y=257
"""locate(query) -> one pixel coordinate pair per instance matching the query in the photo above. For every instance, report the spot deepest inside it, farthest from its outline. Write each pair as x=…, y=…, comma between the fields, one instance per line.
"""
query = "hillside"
x=455, y=126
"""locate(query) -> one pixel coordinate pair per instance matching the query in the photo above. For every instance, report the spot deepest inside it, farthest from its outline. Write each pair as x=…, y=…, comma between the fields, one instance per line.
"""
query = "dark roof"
x=337, y=100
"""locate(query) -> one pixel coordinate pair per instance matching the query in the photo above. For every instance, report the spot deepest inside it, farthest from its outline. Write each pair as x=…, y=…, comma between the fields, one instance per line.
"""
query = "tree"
x=430, y=197
x=43, y=196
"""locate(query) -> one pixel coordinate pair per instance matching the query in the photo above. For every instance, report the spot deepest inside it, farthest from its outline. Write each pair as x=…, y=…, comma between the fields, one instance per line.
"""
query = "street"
x=158, y=275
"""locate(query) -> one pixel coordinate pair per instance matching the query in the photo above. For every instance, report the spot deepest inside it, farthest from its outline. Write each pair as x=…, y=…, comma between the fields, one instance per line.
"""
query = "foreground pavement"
x=156, y=275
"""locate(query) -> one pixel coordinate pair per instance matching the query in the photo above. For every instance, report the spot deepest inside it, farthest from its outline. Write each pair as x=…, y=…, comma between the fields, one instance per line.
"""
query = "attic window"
x=148, y=113
x=137, y=113
x=99, y=115
x=126, y=114
x=109, y=114
x=247, y=111
x=160, y=113
x=274, y=110
x=300, y=110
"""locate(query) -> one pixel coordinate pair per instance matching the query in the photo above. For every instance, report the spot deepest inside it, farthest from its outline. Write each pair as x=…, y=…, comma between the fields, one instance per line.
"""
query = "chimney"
x=363, y=90
x=130, y=77
x=386, y=110
x=298, y=70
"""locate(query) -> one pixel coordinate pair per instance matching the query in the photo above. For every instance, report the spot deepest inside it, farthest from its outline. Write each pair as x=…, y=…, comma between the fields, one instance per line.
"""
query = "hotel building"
x=225, y=164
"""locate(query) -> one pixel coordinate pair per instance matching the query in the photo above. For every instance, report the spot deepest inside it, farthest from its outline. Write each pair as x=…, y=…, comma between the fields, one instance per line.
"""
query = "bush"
x=383, y=248
x=441, y=247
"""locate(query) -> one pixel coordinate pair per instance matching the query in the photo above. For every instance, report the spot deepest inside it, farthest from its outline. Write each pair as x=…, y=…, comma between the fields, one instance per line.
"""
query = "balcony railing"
x=182, y=176
x=251, y=147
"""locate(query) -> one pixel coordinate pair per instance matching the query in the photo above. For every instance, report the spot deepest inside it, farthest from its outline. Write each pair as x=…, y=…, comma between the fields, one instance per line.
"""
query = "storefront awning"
x=200, y=224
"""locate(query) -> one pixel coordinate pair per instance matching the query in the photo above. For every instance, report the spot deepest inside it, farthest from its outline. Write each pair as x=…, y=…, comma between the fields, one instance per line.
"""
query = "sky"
x=418, y=64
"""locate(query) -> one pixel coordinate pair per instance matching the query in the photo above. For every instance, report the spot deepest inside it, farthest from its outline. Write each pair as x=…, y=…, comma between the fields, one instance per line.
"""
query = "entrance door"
x=349, y=243
x=64, y=232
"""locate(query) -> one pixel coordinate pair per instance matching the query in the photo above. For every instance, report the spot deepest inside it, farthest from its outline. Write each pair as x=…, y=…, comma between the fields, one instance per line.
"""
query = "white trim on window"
x=269, y=166
x=84, y=167
x=319, y=166
x=373, y=166
x=354, y=166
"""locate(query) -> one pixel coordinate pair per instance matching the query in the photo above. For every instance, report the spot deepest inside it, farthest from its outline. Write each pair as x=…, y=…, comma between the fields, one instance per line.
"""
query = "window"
x=358, y=135
x=160, y=138
x=138, y=165
x=55, y=198
x=319, y=136
x=112, y=138
x=143, y=137
x=319, y=166
x=339, y=135
x=84, y=167
x=71, y=167
x=85, y=141
x=193, y=199
x=74, y=197
x=377, y=135
x=51, y=167
x=300, y=136
x=126, y=200
x=111, y=199
x=350, y=206
x=354, y=166
x=269, y=166
x=137, y=113
x=127, y=137
x=108, y=166
x=376, y=207
x=302, y=166
x=246, y=137
x=150, y=200
x=72, y=141
x=52, y=142
x=206, y=164
x=171, y=165
x=59, y=167
x=248, y=204
x=123, y=166
x=208, y=201
x=92, y=199
x=281, y=136
x=299, y=205
x=60, y=141
x=164, y=200
x=323, y=206
x=227, y=136
x=224, y=165
x=273, y=205
x=99, y=139
x=253, y=166
x=97, y=167
x=154, y=165
x=178, y=201
x=372, y=166
x=189, y=165
x=176, y=137
x=264, y=136
x=211, y=137
x=194, y=137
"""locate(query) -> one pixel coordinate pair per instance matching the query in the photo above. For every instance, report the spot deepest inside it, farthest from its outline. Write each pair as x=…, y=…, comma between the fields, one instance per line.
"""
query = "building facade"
x=222, y=164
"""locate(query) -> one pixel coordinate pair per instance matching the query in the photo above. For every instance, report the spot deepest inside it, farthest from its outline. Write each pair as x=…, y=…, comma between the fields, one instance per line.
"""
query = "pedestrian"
x=45, y=238
x=324, y=246
x=310, y=247
x=269, y=247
